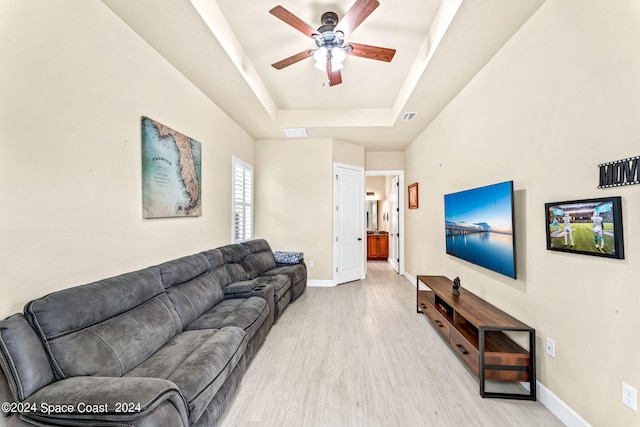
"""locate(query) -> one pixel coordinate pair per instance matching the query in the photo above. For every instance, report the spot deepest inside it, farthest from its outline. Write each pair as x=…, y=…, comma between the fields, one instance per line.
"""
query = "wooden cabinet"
x=377, y=246
x=475, y=330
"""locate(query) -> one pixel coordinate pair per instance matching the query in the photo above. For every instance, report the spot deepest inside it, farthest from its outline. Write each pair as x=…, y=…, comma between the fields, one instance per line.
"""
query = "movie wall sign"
x=619, y=173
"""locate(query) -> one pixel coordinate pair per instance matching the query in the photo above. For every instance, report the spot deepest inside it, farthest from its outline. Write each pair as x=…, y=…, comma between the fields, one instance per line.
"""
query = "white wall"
x=348, y=153
x=561, y=97
x=384, y=160
x=74, y=83
x=294, y=195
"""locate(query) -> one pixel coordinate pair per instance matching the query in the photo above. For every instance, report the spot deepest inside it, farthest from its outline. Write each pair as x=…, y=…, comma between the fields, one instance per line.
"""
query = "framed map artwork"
x=171, y=172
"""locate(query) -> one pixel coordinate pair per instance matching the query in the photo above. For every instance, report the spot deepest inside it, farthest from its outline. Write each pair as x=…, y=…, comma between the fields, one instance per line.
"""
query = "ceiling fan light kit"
x=335, y=54
x=330, y=38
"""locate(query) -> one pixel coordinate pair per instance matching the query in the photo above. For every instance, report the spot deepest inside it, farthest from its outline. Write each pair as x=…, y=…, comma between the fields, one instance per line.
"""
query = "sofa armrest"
x=249, y=288
x=103, y=400
x=301, y=262
x=240, y=289
x=253, y=288
x=265, y=291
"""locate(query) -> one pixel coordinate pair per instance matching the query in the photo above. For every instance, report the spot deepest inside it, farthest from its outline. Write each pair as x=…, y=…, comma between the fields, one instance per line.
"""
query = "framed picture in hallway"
x=413, y=196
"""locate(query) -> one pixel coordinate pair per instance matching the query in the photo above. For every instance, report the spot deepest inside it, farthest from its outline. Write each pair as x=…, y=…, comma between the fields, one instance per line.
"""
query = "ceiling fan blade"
x=354, y=16
x=371, y=52
x=297, y=23
x=335, y=77
x=292, y=59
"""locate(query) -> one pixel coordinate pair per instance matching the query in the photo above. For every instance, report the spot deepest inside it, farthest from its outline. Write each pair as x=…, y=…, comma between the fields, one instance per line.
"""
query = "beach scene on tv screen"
x=479, y=227
x=585, y=227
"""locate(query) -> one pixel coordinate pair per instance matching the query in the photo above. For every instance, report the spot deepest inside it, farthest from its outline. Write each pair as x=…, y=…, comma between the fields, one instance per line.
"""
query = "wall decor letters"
x=619, y=172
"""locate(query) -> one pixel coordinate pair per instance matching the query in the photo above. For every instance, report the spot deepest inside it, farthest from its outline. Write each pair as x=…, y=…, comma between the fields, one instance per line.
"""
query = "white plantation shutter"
x=242, y=202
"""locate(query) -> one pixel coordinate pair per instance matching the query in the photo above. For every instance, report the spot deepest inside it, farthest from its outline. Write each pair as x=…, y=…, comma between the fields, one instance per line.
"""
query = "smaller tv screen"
x=588, y=226
x=479, y=227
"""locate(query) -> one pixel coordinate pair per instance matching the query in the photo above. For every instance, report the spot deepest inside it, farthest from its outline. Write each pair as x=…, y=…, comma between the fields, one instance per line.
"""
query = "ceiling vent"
x=296, y=132
x=409, y=116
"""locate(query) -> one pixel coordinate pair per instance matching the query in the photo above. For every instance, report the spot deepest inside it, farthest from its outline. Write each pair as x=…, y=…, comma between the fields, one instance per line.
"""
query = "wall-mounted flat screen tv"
x=588, y=226
x=479, y=227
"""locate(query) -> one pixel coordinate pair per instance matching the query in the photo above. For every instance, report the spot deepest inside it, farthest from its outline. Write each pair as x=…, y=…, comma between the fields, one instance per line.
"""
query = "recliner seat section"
x=297, y=274
x=249, y=265
x=105, y=328
x=281, y=291
x=96, y=333
x=239, y=289
x=198, y=362
x=127, y=326
x=264, y=263
x=174, y=339
x=195, y=290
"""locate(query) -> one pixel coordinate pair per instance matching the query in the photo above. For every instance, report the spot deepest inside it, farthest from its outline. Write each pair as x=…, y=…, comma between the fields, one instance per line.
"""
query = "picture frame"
x=171, y=172
x=413, y=196
x=595, y=227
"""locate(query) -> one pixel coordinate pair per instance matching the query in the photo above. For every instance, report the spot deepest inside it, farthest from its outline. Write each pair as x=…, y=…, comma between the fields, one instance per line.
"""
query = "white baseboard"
x=412, y=280
x=409, y=277
x=561, y=410
x=321, y=283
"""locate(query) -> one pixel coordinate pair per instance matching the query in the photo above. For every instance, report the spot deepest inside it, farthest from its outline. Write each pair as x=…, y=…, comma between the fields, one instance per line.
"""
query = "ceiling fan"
x=330, y=39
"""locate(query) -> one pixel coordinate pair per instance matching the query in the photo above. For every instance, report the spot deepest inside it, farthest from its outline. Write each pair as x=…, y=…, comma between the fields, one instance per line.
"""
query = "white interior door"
x=348, y=223
x=394, y=252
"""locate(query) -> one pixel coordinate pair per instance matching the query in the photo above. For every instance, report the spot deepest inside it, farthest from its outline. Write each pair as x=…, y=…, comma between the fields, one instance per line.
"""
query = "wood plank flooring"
x=359, y=355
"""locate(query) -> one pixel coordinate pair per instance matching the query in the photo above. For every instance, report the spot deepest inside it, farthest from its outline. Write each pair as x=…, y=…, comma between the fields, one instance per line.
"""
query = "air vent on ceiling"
x=295, y=132
x=409, y=116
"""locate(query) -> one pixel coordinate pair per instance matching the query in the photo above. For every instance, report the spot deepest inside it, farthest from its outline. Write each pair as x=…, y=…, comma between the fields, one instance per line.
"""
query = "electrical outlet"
x=551, y=347
x=629, y=396
x=310, y=263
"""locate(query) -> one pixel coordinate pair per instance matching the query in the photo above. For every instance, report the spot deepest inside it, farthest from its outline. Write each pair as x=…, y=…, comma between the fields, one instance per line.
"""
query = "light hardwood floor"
x=359, y=355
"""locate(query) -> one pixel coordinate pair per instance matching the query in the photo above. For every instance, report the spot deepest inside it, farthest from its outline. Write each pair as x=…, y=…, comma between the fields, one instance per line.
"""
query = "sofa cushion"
x=192, y=287
x=198, y=362
x=218, y=267
x=195, y=297
x=280, y=282
x=215, y=258
x=105, y=328
x=248, y=314
x=116, y=401
x=22, y=358
x=233, y=252
x=183, y=269
x=238, y=265
x=259, y=255
x=223, y=398
x=296, y=272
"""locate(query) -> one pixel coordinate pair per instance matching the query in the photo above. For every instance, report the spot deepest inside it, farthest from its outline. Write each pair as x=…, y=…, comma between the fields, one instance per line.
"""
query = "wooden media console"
x=475, y=330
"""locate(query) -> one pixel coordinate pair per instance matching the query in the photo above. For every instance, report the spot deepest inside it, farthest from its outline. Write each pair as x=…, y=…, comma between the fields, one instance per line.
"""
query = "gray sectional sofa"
x=164, y=346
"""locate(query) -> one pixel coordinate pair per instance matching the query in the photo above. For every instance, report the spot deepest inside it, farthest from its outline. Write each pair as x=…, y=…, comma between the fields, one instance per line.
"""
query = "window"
x=242, y=200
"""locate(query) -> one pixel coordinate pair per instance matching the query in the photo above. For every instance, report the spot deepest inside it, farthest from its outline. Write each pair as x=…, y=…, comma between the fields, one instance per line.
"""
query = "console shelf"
x=475, y=330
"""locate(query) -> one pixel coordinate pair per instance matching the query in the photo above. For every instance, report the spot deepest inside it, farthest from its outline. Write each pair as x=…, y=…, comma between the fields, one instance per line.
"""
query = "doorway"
x=385, y=191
